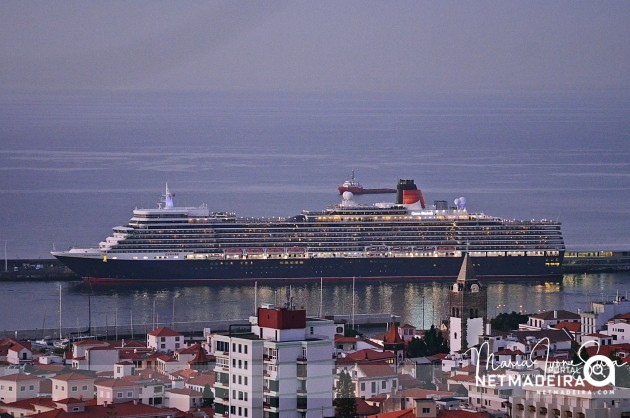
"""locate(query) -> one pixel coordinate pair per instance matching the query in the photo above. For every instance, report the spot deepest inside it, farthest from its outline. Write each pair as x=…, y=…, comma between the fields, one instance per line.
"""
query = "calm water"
x=72, y=166
x=35, y=305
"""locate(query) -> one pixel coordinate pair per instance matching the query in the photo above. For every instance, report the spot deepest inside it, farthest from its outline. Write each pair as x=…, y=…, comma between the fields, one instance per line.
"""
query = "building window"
x=245, y=348
x=163, y=346
x=129, y=394
x=119, y=394
x=383, y=384
x=162, y=339
x=240, y=348
x=74, y=388
x=426, y=410
x=245, y=364
x=31, y=387
x=22, y=388
x=245, y=379
x=373, y=387
x=84, y=387
x=362, y=386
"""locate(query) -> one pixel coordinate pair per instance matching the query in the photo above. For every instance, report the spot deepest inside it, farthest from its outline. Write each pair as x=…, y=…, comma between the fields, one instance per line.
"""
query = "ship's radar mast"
x=167, y=199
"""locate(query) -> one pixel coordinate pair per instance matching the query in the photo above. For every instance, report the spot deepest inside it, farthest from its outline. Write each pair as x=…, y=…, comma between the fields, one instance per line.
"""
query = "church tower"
x=393, y=342
x=468, y=305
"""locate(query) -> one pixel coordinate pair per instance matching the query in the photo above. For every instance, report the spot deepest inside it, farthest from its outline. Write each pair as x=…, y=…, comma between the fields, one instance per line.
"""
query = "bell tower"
x=468, y=305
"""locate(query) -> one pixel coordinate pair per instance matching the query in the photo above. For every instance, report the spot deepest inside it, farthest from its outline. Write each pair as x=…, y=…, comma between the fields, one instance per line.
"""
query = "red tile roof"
x=120, y=410
x=620, y=316
x=558, y=314
x=417, y=393
x=18, y=377
x=29, y=403
x=376, y=369
x=570, y=326
x=364, y=408
x=369, y=354
x=345, y=340
x=396, y=414
x=186, y=391
x=165, y=332
x=202, y=380
x=72, y=376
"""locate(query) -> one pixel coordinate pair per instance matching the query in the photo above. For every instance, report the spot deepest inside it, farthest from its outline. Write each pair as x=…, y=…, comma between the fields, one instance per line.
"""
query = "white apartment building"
x=72, y=385
x=619, y=329
x=601, y=312
x=544, y=320
x=571, y=402
x=18, y=386
x=371, y=379
x=165, y=340
x=279, y=366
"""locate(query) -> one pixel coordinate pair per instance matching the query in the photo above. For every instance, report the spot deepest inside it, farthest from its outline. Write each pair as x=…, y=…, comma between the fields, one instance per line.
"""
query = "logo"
x=536, y=370
x=599, y=366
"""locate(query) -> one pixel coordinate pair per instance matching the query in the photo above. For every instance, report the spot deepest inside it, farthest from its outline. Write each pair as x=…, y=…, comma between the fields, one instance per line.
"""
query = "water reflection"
x=418, y=303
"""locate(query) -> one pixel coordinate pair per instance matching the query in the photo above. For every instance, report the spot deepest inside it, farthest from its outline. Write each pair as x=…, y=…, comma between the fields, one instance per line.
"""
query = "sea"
x=75, y=164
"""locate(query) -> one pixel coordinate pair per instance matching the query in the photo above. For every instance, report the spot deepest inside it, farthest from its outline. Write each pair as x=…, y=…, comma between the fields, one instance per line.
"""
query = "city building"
x=165, y=340
x=18, y=386
x=574, y=402
x=601, y=312
x=72, y=385
x=544, y=320
x=280, y=364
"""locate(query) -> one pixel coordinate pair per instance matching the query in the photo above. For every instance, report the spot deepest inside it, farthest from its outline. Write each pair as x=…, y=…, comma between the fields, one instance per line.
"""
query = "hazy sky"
x=321, y=46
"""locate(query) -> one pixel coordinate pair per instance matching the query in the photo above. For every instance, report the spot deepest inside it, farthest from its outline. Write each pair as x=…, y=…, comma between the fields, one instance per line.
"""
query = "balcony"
x=301, y=359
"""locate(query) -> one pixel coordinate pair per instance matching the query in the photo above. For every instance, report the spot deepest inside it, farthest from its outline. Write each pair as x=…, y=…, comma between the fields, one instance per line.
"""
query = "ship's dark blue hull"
x=175, y=271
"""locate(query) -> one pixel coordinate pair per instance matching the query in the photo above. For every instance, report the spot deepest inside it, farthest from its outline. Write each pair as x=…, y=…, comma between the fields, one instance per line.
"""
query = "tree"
x=350, y=332
x=345, y=402
x=508, y=321
x=207, y=395
x=431, y=343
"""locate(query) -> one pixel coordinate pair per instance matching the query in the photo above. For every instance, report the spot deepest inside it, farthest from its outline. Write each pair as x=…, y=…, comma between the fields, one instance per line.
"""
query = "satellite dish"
x=456, y=202
x=347, y=196
x=462, y=202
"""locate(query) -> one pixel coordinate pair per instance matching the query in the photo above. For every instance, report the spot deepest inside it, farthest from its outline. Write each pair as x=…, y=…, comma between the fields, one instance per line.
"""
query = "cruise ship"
x=383, y=241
